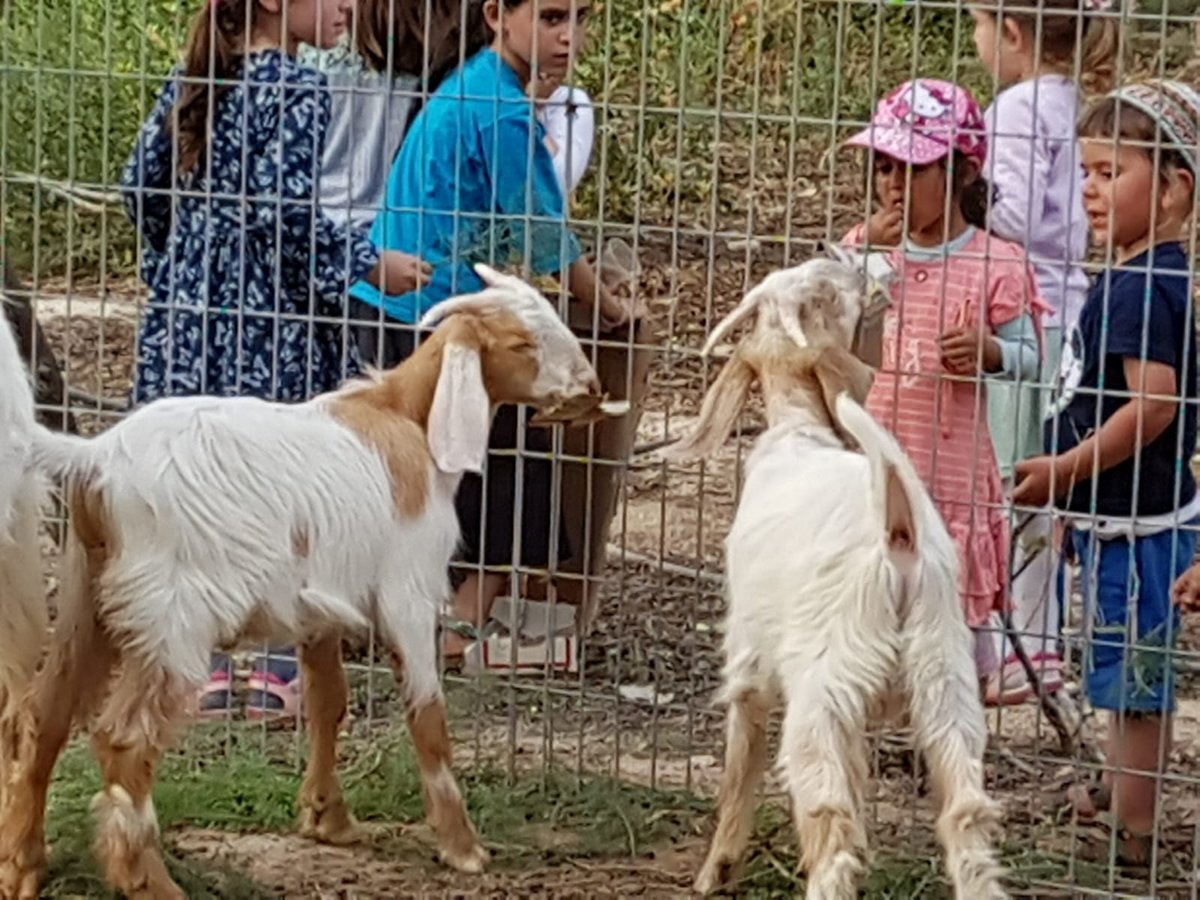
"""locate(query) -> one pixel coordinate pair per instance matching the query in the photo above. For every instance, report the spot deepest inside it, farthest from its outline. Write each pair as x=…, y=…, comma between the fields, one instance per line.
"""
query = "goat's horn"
x=473, y=303
x=731, y=321
x=491, y=276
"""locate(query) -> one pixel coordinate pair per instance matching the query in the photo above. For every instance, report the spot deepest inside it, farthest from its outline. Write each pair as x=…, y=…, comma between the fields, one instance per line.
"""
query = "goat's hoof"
x=716, y=872
x=472, y=860
x=21, y=874
x=333, y=825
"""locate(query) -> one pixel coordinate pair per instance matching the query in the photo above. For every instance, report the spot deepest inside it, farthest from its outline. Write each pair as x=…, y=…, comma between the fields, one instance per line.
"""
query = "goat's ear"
x=461, y=414
x=839, y=371
x=722, y=404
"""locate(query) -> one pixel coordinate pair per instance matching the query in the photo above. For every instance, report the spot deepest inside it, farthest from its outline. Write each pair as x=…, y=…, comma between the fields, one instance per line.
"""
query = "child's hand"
x=1187, y=589
x=616, y=310
x=886, y=228
x=402, y=272
x=965, y=351
x=1037, y=477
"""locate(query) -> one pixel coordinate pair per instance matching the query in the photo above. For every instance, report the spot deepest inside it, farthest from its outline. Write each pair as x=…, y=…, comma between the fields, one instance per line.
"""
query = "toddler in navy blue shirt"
x=1121, y=434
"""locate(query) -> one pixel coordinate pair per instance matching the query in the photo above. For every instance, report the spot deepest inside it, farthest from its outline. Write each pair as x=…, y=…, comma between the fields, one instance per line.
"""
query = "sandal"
x=272, y=699
x=453, y=662
x=1011, y=686
x=216, y=700
x=1133, y=851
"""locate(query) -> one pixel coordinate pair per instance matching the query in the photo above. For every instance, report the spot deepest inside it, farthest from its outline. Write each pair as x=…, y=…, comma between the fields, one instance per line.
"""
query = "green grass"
x=240, y=783
x=244, y=786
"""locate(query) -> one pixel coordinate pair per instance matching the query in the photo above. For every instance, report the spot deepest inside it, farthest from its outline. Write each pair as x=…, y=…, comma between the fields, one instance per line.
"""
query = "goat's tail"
x=28, y=448
x=898, y=495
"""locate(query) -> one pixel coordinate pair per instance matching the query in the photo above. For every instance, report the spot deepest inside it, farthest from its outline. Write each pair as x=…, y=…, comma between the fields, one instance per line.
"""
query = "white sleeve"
x=570, y=122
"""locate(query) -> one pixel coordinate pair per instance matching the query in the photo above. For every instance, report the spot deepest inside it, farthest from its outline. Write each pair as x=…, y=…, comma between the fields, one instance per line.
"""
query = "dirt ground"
x=295, y=867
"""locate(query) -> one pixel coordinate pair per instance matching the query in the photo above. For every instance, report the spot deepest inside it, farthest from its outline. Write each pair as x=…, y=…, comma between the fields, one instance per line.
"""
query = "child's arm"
x=148, y=177
x=1011, y=351
x=586, y=287
x=1008, y=347
x=1139, y=422
x=1018, y=166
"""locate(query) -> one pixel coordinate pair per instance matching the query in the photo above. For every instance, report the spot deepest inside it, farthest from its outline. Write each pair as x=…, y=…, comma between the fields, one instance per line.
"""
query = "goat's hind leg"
x=68, y=684
x=324, y=815
x=950, y=729
x=745, y=760
x=823, y=760
x=128, y=737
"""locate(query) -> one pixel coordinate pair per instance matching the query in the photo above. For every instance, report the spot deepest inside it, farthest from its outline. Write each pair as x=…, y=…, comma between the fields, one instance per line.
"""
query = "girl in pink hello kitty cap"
x=965, y=308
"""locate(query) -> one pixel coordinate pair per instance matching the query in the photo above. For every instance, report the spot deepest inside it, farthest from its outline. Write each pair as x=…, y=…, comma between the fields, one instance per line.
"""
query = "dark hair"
x=974, y=196
x=1112, y=119
x=1059, y=28
x=215, y=46
x=479, y=35
x=412, y=37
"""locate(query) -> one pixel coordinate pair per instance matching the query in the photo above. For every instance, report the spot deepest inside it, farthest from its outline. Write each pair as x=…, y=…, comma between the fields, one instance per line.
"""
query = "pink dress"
x=940, y=419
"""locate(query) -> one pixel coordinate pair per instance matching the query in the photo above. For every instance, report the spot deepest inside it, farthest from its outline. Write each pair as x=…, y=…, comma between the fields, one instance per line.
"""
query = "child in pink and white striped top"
x=965, y=304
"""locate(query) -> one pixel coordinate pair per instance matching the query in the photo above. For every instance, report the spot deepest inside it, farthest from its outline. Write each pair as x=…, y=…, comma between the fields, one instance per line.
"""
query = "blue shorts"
x=1132, y=624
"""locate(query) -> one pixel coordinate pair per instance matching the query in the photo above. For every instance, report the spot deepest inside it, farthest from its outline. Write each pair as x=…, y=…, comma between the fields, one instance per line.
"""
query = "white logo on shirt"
x=1070, y=373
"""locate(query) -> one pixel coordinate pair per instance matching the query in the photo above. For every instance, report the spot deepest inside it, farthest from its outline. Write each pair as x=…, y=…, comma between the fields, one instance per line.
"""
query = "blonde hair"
x=1061, y=29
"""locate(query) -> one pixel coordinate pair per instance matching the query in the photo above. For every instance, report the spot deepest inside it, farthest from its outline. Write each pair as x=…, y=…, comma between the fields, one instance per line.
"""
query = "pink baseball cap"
x=921, y=121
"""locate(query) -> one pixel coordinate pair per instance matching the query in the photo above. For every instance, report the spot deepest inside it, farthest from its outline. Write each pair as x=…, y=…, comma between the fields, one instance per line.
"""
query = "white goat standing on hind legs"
x=208, y=522
x=860, y=611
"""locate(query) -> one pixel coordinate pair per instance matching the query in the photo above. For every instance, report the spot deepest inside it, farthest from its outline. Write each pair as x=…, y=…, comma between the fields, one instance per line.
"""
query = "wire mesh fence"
x=717, y=159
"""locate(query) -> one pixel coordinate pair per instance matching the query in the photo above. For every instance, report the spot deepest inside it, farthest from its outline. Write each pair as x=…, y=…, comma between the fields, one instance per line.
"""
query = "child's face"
x=318, y=23
x=926, y=190
x=1001, y=46
x=550, y=32
x=1119, y=193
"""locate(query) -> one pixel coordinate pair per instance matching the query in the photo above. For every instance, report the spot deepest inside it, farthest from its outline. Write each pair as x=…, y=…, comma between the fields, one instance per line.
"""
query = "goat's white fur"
x=234, y=519
x=848, y=620
x=22, y=597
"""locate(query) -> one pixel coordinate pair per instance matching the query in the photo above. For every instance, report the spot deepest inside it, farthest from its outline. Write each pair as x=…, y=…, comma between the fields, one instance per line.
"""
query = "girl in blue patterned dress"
x=247, y=275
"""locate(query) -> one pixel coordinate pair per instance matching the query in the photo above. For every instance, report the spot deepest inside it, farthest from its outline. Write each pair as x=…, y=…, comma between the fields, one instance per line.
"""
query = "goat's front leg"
x=745, y=760
x=950, y=729
x=128, y=737
x=410, y=629
x=324, y=815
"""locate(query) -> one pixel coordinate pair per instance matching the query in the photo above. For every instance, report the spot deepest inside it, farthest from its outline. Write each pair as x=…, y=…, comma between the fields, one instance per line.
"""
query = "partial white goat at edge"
x=854, y=615
x=22, y=596
x=198, y=523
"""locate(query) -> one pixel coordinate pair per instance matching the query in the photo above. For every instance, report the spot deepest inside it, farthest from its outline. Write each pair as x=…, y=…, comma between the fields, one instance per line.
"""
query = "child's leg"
x=1129, y=669
x=1138, y=746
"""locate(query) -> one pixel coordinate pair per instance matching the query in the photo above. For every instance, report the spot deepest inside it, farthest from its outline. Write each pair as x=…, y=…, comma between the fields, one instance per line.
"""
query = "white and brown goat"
x=859, y=612
x=206, y=523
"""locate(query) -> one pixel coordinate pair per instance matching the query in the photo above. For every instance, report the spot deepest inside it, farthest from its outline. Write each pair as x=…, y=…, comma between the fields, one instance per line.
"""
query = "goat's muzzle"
x=868, y=334
x=579, y=409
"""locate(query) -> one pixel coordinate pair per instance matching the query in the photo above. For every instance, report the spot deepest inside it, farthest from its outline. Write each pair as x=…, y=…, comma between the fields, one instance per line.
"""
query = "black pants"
x=488, y=518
